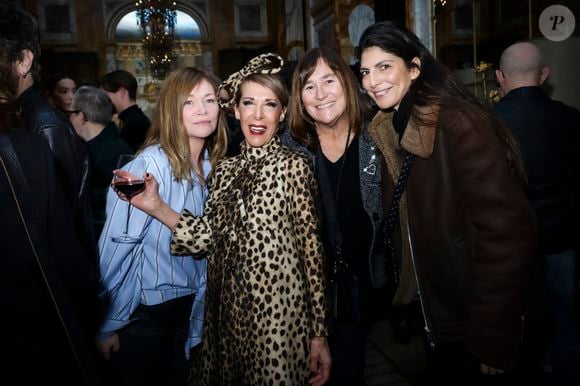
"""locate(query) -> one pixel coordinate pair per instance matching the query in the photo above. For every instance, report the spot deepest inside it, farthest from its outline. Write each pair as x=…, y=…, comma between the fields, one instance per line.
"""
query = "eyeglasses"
x=71, y=112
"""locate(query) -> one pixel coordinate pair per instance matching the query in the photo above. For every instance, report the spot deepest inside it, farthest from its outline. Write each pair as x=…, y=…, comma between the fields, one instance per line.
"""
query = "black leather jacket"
x=71, y=158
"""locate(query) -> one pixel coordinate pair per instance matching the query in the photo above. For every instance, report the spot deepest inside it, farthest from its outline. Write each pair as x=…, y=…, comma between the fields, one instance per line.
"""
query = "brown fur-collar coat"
x=466, y=228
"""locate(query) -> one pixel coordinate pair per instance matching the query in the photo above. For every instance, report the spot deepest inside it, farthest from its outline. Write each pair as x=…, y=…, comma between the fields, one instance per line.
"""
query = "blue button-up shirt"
x=146, y=273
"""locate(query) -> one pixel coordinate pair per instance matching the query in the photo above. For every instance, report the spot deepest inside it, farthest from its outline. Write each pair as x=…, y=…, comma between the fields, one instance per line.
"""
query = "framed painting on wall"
x=324, y=33
x=462, y=18
x=251, y=18
x=57, y=20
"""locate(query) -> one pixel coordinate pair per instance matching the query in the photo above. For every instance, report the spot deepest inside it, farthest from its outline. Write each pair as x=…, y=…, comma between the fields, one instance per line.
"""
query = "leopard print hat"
x=269, y=63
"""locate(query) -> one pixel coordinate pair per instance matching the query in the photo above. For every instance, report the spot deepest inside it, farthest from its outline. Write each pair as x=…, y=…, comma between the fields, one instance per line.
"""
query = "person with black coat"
x=48, y=285
x=21, y=40
x=548, y=133
x=121, y=87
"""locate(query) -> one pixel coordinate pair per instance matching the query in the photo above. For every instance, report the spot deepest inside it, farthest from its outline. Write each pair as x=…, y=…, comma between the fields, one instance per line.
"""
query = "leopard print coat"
x=266, y=287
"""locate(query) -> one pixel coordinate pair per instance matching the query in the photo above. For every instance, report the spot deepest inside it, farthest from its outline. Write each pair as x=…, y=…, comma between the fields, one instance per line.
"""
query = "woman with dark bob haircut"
x=459, y=232
x=326, y=121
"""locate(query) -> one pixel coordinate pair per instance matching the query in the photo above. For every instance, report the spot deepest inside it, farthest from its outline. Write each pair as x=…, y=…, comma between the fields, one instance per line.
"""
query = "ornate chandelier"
x=157, y=20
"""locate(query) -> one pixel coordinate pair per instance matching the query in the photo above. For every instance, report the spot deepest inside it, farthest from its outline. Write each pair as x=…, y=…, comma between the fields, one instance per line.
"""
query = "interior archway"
x=190, y=24
x=125, y=50
x=128, y=28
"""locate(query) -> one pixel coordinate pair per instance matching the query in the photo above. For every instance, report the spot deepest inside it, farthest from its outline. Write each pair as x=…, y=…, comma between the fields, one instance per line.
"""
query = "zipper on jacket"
x=426, y=327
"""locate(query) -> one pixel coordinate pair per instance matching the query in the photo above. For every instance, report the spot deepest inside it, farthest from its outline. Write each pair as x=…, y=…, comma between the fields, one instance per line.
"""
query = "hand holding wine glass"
x=148, y=200
x=145, y=196
x=128, y=183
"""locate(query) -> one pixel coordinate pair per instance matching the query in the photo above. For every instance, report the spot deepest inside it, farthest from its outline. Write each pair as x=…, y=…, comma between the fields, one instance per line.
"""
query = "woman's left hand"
x=320, y=361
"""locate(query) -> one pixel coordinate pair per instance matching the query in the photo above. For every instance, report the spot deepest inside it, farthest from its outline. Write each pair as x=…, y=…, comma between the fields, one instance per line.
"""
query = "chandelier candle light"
x=157, y=20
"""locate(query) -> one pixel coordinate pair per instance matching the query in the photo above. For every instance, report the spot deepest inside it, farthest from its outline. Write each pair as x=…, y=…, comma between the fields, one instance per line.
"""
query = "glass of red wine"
x=129, y=185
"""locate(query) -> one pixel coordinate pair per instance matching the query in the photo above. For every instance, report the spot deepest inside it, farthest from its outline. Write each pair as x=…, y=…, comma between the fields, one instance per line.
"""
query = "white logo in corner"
x=557, y=23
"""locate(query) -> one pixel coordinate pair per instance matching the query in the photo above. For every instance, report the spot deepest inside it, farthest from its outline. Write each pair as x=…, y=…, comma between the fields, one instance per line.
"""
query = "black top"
x=135, y=125
x=355, y=225
x=235, y=136
x=104, y=151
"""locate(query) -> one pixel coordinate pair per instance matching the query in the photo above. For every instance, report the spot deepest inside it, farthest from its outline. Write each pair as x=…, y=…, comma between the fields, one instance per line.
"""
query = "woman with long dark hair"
x=459, y=230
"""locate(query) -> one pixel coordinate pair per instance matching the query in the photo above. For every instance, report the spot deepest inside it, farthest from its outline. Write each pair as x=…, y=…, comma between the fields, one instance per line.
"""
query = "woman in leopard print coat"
x=265, y=320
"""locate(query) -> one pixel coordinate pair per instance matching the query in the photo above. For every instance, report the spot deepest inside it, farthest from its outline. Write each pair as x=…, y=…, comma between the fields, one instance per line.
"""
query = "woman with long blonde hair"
x=155, y=299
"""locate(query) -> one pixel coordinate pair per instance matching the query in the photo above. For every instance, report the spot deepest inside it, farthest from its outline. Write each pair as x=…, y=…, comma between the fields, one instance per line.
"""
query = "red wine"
x=130, y=188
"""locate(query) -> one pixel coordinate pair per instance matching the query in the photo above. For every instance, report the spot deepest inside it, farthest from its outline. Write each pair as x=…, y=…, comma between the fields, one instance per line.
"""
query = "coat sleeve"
x=193, y=234
x=496, y=204
x=78, y=270
x=305, y=225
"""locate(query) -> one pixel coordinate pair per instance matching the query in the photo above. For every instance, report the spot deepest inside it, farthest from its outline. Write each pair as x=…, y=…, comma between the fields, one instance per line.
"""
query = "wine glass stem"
x=128, y=213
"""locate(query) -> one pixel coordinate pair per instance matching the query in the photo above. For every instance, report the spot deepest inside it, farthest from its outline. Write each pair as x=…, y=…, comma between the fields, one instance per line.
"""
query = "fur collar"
x=419, y=139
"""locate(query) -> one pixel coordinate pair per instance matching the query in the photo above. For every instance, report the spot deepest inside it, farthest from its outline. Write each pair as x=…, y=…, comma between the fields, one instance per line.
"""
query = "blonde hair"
x=168, y=130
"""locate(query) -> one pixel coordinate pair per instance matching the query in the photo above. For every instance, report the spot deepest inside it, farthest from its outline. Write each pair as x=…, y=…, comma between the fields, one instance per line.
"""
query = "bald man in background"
x=548, y=132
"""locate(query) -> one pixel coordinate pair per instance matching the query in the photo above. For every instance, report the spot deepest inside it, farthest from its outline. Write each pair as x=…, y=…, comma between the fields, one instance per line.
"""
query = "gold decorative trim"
x=135, y=50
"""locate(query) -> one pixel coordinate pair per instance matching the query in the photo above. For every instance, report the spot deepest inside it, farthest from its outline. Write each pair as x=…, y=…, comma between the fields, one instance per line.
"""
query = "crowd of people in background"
x=265, y=224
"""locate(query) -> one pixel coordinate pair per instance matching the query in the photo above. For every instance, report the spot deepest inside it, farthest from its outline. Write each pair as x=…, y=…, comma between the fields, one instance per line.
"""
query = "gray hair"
x=94, y=103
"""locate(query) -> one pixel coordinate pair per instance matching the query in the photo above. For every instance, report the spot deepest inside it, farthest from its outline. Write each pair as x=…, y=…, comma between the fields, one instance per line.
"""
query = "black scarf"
x=400, y=121
x=403, y=114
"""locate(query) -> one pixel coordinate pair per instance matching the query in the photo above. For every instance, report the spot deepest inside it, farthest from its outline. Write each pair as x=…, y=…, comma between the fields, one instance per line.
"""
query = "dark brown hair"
x=114, y=80
x=435, y=85
x=300, y=124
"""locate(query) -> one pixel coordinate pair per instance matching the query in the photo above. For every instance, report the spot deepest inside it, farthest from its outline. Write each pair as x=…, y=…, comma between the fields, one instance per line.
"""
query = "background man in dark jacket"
x=92, y=122
x=22, y=37
x=548, y=133
x=121, y=87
